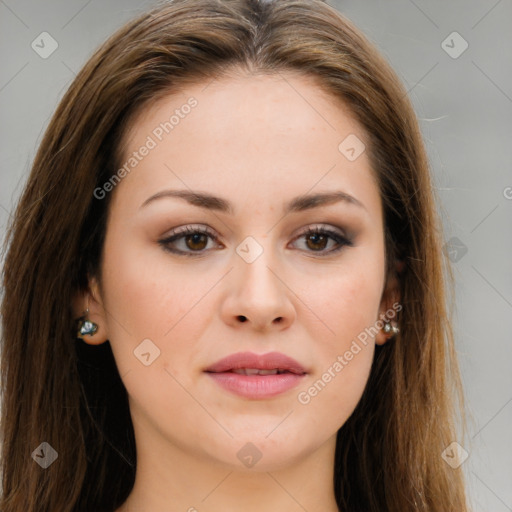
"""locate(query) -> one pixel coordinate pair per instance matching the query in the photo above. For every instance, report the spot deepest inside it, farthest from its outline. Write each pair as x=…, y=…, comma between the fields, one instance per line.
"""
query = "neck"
x=179, y=480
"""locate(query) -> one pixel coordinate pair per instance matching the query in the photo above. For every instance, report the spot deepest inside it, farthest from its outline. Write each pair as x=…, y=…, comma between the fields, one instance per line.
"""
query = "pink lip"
x=257, y=386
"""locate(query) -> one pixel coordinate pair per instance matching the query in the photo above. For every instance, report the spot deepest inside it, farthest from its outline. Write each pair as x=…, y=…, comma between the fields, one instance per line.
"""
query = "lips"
x=254, y=364
x=256, y=371
x=256, y=376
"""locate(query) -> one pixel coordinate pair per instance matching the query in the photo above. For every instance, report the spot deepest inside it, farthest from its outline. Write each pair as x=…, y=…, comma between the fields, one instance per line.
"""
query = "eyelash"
x=341, y=240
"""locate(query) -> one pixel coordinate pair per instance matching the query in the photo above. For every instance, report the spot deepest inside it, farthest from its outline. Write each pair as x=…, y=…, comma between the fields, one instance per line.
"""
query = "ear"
x=91, y=298
x=390, y=302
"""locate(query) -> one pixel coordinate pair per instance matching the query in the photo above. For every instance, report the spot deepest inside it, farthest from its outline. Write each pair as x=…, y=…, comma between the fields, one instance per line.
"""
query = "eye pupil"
x=315, y=237
x=197, y=239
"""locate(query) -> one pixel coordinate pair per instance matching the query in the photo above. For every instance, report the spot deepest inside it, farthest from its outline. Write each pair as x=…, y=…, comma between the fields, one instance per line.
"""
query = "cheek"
x=347, y=303
x=150, y=298
x=331, y=397
x=345, y=359
x=348, y=306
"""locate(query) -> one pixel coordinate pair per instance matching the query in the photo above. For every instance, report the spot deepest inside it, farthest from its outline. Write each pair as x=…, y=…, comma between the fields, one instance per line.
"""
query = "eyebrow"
x=297, y=204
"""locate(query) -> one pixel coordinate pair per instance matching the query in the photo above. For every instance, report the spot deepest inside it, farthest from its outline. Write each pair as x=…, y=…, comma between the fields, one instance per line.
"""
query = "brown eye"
x=196, y=242
x=188, y=241
x=318, y=239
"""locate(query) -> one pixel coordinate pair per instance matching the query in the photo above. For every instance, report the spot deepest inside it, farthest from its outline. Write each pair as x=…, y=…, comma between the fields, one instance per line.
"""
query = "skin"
x=256, y=141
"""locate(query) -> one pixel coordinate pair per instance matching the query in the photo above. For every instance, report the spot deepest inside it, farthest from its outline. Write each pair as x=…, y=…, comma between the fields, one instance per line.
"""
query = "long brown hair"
x=388, y=453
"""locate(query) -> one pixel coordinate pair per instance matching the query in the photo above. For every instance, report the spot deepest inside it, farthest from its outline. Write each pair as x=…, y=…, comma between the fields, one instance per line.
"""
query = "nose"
x=258, y=295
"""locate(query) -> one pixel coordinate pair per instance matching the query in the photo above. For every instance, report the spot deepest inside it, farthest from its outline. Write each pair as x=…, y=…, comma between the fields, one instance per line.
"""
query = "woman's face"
x=227, y=267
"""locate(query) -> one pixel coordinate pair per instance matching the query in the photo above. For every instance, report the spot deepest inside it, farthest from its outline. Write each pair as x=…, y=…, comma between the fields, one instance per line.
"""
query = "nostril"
x=242, y=318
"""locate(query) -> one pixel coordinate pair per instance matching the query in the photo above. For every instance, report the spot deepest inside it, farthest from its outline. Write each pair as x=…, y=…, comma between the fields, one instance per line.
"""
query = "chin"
x=262, y=453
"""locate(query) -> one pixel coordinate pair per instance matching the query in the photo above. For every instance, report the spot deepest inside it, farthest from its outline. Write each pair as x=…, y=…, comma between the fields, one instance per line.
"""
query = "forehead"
x=255, y=135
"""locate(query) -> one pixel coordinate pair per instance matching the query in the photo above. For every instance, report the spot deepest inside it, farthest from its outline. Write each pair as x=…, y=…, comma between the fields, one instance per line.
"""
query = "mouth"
x=256, y=376
x=257, y=371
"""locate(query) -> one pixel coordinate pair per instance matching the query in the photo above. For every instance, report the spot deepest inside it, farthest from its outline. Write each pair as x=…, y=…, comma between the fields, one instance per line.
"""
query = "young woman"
x=224, y=285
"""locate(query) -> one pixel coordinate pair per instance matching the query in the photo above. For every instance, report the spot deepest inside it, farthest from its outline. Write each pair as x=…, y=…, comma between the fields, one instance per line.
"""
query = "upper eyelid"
x=193, y=228
x=325, y=227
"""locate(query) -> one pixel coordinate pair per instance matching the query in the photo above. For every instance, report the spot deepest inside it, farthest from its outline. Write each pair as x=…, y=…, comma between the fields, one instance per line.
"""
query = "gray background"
x=465, y=109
